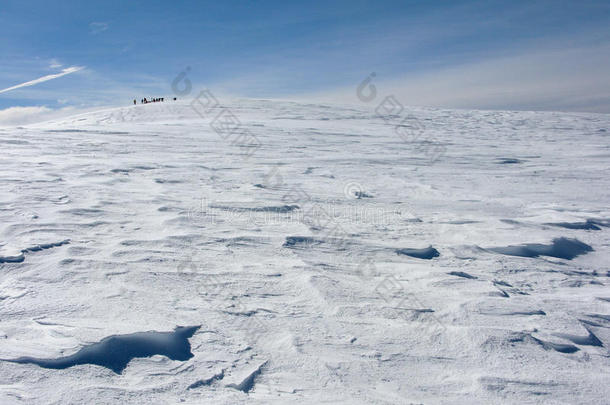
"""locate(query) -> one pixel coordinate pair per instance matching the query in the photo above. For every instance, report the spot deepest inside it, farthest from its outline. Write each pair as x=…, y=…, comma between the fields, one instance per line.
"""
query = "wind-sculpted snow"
x=558, y=347
x=247, y=382
x=338, y=254
x=21, y=256
x=589, y=340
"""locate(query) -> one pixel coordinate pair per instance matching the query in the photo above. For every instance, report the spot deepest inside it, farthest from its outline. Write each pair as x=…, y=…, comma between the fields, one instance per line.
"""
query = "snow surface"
x=305, y=254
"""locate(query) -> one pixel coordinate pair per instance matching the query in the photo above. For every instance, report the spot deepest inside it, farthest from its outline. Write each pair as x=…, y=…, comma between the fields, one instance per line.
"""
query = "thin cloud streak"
x=46, y=78
x=97, y=27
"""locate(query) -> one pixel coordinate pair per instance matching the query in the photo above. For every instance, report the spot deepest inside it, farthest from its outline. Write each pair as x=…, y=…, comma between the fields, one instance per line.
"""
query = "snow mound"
x=166, y=112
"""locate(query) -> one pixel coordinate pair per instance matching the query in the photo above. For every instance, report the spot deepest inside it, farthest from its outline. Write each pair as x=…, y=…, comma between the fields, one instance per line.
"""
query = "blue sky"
x=538, y=55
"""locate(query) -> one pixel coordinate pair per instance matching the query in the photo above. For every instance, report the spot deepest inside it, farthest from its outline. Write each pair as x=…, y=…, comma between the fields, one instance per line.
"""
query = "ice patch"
x=561, y=248
x=300, y=240
x=115, y=352
x=509, y=161
x=281, y=209
x=589, y=224
x=425, y=253
x=462, y=274
x=362, y=194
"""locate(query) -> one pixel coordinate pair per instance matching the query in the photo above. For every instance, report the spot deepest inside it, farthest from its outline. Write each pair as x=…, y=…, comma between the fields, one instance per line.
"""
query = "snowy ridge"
x=325, y=259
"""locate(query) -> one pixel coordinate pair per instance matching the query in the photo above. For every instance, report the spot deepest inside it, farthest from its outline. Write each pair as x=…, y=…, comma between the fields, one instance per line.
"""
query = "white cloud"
x=564, y=79
x=64, y=72
x=97, y=27
x=54, y=64
x=14, y=116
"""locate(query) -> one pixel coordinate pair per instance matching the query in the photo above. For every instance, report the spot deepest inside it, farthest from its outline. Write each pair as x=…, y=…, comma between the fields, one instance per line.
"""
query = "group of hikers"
x=152, y=100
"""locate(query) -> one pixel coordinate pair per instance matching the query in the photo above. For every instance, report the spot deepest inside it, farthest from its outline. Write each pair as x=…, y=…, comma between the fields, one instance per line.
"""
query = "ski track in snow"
x=481, y=278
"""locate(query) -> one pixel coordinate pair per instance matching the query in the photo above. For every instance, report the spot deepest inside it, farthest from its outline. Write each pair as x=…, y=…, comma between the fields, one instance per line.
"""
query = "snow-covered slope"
x=299, y=244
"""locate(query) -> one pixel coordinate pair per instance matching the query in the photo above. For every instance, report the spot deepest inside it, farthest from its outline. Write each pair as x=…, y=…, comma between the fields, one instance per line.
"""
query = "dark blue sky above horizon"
x=285, y=49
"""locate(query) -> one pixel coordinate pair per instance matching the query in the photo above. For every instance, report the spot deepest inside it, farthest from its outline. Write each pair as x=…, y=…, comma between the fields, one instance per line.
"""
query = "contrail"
x=64, y=72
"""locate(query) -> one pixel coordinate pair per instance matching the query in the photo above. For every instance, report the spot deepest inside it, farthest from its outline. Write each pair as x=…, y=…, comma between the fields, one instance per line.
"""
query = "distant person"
x=134, y=101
